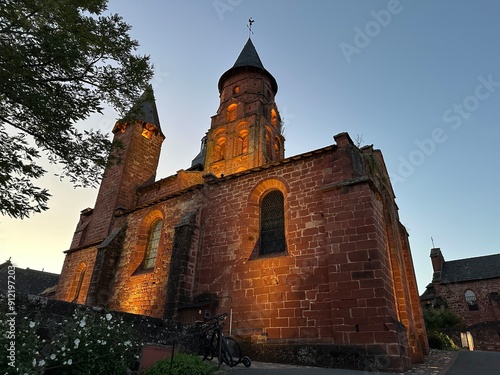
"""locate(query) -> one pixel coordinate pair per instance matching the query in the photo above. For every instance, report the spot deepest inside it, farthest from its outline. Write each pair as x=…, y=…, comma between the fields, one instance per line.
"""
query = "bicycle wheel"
x=205, y=349
x=233, y=351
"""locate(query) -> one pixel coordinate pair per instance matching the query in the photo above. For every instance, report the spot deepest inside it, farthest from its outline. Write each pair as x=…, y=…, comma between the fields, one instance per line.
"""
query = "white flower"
x=70, y=361
x=34, y=362
x=108, y=316
x=77, y=341
x=52, y=356
x=82, y=323
x=103, y=342
x=127, y=343
x=41, y=363
x=32, y=324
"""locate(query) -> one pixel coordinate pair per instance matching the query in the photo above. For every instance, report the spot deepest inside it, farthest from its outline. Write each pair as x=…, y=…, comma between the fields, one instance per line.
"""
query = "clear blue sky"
x=419, y=80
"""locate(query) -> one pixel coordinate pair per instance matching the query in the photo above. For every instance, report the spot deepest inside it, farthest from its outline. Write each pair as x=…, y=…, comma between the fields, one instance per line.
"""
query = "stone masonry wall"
x=489, y=307
x=144, y=291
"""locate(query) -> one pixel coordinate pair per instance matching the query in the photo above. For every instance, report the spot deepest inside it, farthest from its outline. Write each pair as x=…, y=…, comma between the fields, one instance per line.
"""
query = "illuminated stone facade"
x=300, y=250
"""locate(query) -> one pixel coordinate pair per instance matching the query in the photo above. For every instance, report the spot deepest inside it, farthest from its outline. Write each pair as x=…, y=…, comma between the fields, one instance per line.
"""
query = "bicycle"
x=213, y=343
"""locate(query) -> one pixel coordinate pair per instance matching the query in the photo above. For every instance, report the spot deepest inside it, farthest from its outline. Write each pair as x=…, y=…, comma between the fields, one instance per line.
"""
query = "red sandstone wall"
x=334, y=281
x=68, y=282
x=143, y=292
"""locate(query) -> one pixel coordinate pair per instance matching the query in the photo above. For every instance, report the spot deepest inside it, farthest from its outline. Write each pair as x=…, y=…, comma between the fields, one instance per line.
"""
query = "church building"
x=302, y=252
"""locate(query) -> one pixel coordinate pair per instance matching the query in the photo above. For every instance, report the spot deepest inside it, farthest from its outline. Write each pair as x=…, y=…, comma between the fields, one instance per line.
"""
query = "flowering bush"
x=85, y=344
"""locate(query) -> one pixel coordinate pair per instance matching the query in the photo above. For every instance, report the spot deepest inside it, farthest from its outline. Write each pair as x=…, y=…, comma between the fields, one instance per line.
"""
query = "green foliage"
x=183, y=364
x=61, y=61
x=441, y=341
x=441, y=318
x=95, y=343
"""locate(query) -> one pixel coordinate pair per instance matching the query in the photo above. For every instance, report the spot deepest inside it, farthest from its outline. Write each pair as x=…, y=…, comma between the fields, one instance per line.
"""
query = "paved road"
x=291, y=370
x=466, y=363
x=475, y=363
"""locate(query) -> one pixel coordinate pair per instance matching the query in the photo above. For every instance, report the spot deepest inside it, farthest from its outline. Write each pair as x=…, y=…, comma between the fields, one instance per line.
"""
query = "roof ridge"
x=471, y=258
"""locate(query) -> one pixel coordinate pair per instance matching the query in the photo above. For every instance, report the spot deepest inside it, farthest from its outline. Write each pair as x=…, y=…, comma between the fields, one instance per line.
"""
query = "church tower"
x=139, y=139
x=246, y=131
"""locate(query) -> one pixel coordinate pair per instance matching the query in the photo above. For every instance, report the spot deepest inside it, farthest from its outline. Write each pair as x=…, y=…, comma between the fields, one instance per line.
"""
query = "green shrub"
x=183, y=364
x=441, y=341
x=441, y=318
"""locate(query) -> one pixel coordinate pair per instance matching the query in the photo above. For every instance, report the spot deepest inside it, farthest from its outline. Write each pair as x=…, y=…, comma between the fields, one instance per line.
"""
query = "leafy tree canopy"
x=60, y=61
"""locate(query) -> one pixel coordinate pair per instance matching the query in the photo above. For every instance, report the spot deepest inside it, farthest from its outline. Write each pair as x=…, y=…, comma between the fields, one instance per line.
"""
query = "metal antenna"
x=432, y=240
x=250, y=22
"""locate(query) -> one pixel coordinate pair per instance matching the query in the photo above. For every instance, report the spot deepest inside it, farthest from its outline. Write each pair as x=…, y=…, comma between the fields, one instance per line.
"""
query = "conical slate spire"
x=248, y=60
x=145, y=109
x=248, y=56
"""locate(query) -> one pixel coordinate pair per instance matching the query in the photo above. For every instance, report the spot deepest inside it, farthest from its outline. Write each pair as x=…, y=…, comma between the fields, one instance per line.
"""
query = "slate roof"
x=478, y=268
x=248, y=59
x=145, y=109
x=27, y=281
x=429, y=293
x=249, y=56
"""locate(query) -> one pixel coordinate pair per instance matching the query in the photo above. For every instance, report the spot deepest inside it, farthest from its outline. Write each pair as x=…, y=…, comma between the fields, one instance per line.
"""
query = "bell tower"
x=246, y=131
x=139, y=138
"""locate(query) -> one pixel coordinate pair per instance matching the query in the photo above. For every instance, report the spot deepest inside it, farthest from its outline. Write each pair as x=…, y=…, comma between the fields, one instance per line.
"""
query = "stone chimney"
x=437, y=263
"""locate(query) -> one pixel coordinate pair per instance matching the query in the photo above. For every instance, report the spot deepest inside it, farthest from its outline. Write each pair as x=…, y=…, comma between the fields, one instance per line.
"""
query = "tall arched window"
x=470, y=297
x=272, y=223
x=80, y=274
x=153, y=243
x=269, y=147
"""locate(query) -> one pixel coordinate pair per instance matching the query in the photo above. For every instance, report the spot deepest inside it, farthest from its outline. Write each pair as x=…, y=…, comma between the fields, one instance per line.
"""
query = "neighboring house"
x=468, y=287
x=28, y=281
x=301, y=251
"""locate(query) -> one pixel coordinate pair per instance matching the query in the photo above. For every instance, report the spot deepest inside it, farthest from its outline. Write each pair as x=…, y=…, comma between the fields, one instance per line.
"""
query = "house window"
x=153, y=242
x=470, y=297
x=272, y=223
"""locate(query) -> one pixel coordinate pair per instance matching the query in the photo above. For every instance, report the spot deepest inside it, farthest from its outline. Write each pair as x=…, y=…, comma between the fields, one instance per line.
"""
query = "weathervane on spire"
x=250, y=22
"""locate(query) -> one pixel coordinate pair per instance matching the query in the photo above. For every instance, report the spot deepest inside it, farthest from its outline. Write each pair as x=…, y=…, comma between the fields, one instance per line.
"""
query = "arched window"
x=232, y=112
x=470, y=297
x=153, y=243
x=269, y=147
x=80, y=274
x=220, y=149
x=272, y=223
x=277, y=149
x=274, y=117
x=242, y=142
